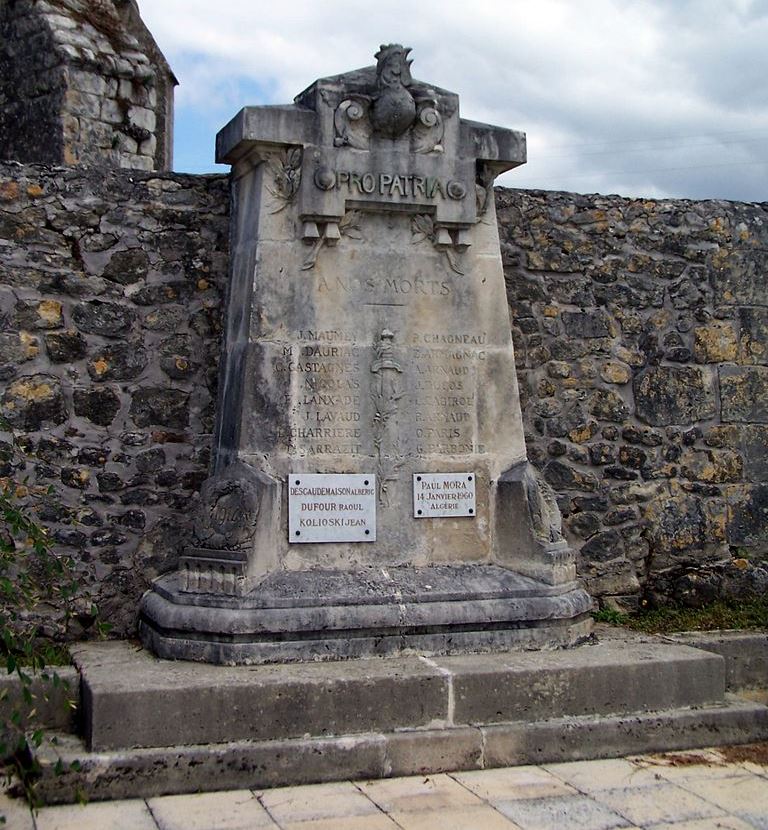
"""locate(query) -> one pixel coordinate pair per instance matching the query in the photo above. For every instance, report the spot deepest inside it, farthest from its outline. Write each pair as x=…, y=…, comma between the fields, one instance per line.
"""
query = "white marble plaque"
x=442, y=495
x=331, y=507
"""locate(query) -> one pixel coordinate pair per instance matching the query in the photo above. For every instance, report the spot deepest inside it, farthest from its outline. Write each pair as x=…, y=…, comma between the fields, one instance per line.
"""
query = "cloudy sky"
x=638, y=97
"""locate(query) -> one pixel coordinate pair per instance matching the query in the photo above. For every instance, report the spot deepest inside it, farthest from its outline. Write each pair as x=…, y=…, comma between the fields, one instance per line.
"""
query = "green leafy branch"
x=32, y=576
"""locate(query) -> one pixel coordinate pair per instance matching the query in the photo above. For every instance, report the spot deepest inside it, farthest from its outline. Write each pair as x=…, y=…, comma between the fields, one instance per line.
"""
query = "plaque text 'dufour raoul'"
x=331, y=508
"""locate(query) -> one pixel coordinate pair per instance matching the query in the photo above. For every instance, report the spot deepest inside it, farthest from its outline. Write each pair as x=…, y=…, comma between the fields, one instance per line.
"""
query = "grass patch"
x=53, y=655
x=746, y=614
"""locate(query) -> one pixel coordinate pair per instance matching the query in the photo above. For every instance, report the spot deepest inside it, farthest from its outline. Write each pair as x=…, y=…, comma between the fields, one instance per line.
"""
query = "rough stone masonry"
x=643, y=375
x=640, y=331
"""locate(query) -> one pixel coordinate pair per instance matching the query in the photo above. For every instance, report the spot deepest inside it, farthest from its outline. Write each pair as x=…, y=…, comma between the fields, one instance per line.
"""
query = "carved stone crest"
x=391, y=109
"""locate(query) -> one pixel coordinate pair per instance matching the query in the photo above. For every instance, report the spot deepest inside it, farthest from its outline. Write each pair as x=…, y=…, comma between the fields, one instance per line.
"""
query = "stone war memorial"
x=371, y=491
x=347, y=446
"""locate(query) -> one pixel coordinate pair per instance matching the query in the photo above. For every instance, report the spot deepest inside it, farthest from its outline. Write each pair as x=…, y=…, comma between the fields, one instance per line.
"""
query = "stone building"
x=83, y=82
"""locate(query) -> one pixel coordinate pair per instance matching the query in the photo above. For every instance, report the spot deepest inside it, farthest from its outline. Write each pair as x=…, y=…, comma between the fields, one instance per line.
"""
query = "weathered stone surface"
x=160, y=407
x=603, y=547
x=717, y=342
x=753, y=345
x=65, y=346
x=45, y=314
x=118, y=361
x=712, y=465
x=34, y=401
x=564, y=477
x=676, y=524
x=103, y=317
x=754, y=443
x=100, y=405
x=18, y=347
x=192, y=227
x=745, y=653
x=746, y=516
x=363, y=696
x=176, y=357
x=673, y=395
x=126, y=267
x=371, y=356
x=615, y=372
x=744, y=394
x=608, y=406
x=96, y=320
x=587, y=324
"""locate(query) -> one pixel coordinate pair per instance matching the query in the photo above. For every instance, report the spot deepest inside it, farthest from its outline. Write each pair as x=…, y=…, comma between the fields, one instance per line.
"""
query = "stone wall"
x=641, y=330
x=83, y=82
x=110, y=294
x=641, y=333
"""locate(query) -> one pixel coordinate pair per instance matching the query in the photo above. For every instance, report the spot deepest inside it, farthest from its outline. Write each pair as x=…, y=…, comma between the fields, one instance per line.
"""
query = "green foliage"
x=610, y=616
x=751, y=613
x=32, y=576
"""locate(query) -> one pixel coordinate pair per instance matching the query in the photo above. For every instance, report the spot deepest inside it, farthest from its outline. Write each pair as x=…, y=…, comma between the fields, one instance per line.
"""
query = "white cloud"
x=613, y=94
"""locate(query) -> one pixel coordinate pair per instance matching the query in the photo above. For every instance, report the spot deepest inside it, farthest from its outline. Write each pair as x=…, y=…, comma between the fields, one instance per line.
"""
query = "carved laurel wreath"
x=423, y=229
x=348, y=226
x=286, y=173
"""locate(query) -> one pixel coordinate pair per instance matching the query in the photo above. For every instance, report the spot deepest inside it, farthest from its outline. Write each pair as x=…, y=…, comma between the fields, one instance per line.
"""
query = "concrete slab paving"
x=434, y=792
x=16, y=813
x=726, y=823
x=513, y=782
x=105, y=815
x=317, y=801
x=704, y=791
x=379, y=821
x=482, y=818
x=745, y=796
x=233, y=810
x=590, y=776
x=656, y=804
x=576, y=812
x=682, y=766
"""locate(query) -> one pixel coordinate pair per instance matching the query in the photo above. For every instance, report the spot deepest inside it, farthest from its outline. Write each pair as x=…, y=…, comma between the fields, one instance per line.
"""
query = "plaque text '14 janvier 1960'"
x=443, y=495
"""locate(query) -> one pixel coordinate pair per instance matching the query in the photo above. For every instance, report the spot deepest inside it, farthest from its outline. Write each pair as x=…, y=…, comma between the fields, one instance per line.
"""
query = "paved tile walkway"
x=723, y=788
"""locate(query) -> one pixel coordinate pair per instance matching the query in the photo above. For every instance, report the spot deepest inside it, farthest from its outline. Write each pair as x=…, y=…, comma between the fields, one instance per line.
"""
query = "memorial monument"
x=370, y=491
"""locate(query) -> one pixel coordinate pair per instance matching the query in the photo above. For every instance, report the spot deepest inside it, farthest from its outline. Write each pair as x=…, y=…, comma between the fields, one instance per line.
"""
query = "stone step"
x=131, y=699
x=69, y=772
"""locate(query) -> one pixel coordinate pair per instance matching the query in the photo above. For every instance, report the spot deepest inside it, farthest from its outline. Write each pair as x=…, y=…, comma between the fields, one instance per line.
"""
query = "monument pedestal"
x=370, y=491
x=320, y=615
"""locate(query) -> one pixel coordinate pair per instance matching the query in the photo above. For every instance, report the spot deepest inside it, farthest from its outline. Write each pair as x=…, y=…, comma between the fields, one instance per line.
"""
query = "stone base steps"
x=155, y=727
x=155, y=771
x=132, y=699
